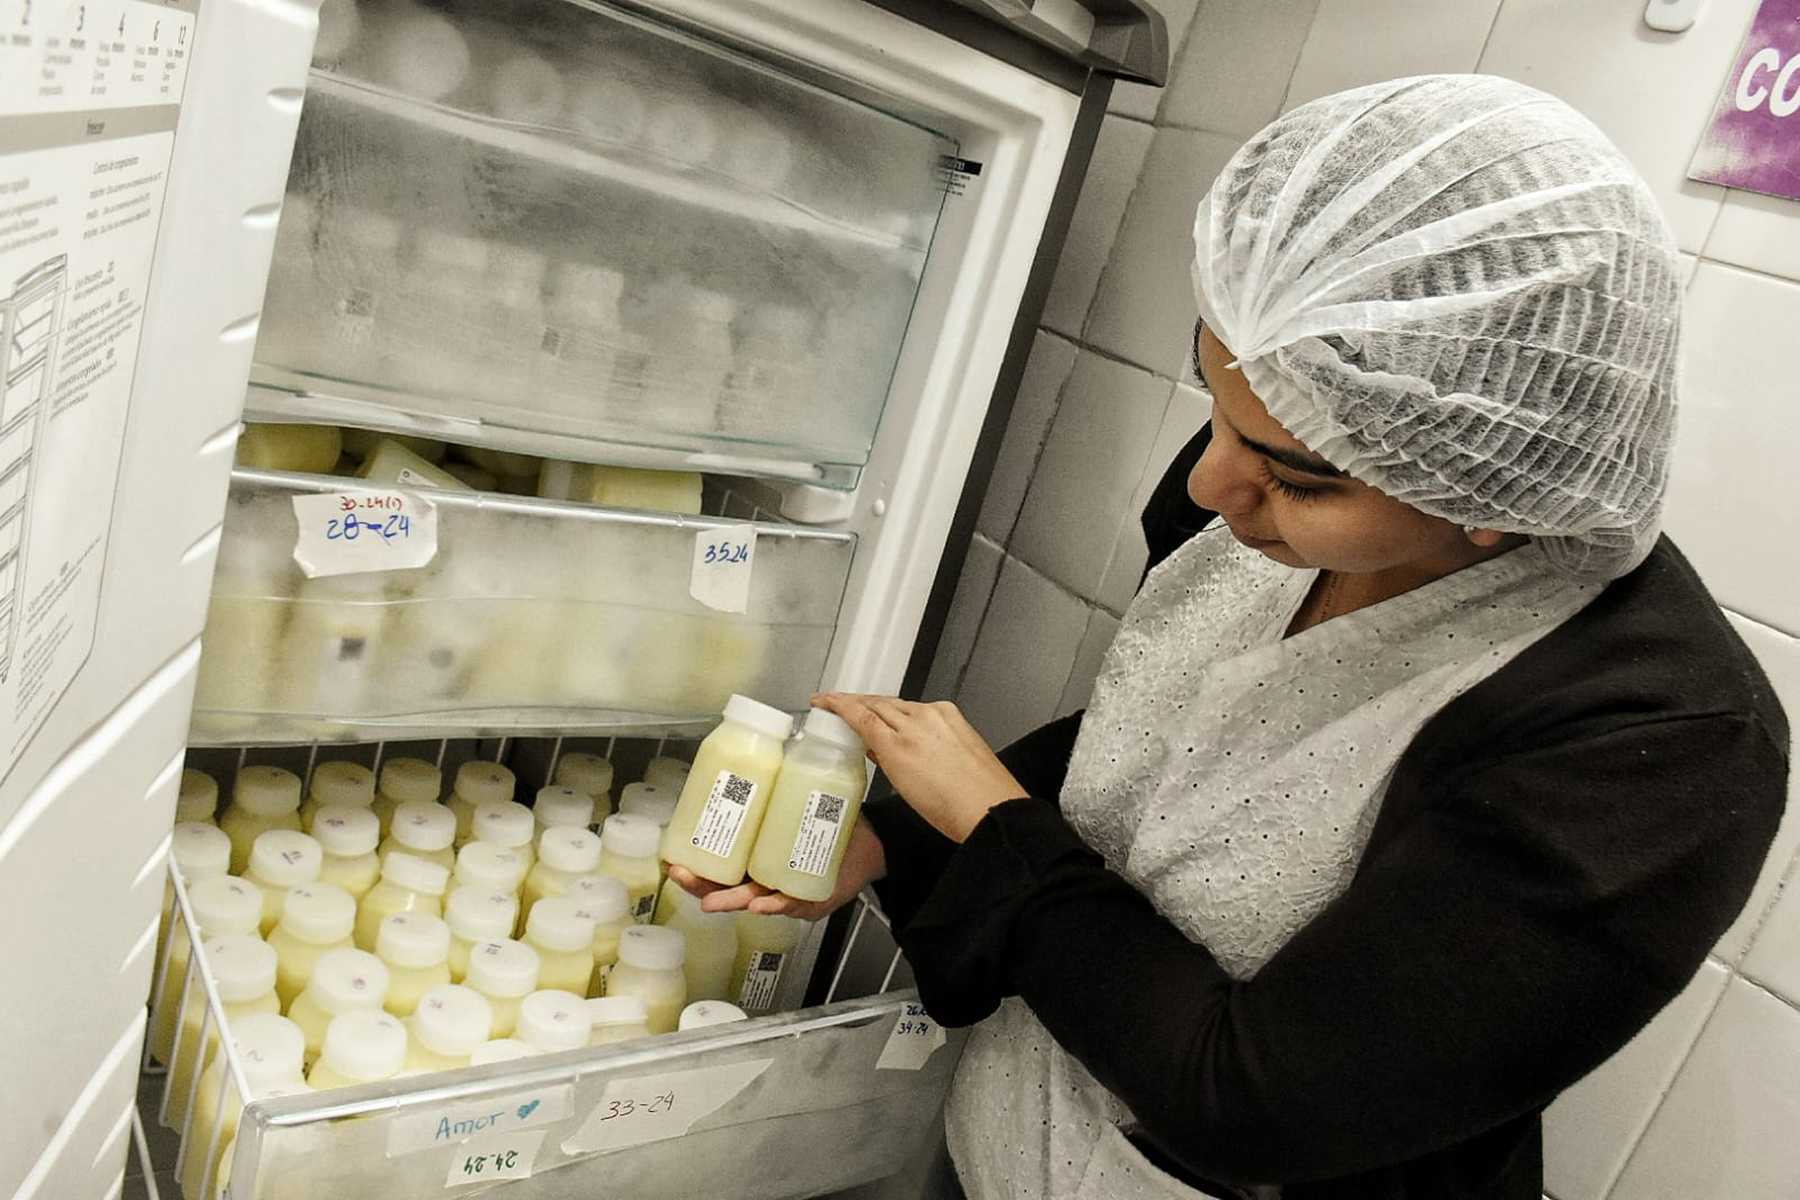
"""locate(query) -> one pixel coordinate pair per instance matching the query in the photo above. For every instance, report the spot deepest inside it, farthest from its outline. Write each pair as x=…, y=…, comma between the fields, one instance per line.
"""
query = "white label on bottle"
x=758, y=991
x=465, y=1120
x=643, y=908
x=723, y=817
x=914, y=1038
x=817, y=836
x=408, y=475
x=723, y=558
x=652, y=1108
x=344, y=533
x=508, y=1156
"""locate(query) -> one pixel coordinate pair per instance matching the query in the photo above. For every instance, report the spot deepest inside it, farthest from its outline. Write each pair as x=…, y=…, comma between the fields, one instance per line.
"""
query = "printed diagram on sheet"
x=89, y=96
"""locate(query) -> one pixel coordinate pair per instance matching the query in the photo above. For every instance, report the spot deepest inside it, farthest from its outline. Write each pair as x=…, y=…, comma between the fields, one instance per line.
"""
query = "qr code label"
x=820, y=834
x=727, y=806
x=757, y=993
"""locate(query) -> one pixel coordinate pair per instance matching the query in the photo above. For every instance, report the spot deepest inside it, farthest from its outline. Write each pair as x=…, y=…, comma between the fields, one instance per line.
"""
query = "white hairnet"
x=1458, y=291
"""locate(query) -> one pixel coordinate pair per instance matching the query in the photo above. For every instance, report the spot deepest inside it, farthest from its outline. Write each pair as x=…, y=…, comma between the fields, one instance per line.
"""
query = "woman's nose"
x=1223, y=483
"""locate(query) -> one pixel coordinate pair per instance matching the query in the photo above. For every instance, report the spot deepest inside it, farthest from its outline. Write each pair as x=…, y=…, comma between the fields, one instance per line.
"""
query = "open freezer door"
x=142, y=149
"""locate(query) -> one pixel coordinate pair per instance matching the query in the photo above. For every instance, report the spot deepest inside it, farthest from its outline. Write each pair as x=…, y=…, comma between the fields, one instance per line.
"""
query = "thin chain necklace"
x=1328, y=596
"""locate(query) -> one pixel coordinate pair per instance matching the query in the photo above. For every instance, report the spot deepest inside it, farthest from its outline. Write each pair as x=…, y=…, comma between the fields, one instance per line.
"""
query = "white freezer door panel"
x=86, y=1156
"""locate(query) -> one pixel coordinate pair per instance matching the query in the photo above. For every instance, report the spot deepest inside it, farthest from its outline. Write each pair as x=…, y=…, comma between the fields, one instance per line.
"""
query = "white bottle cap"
x=648, y=800
x=426, y=828
x=503, y=967
x=592, y=773
x=560, y=806
x=345, y=830
x=200, y=851
x=485, y=865
x=652, y=948
x=557, y=923
x=630, y=836
x=759, y=716
x=570, y=850
x=412, y=939
x=284, y=858
x=318, y=912
x=243, y=967
x=500, y=1050
x=476, y=914
x=617, y=1010
x=199, y=798
x=688, y=910
x=226, y=904
x=346, y=783
x=271, y=1048
x=504, y=823
x=365, y=1046
x=414, y=874
x=602, y=899
x=266, y=791
x=480, y=781
x=346, y=980
x=834, y=729
x=552, y=1021
x=452, y=1020
x=667, y=774
x=702, y=1013
x=411, y=781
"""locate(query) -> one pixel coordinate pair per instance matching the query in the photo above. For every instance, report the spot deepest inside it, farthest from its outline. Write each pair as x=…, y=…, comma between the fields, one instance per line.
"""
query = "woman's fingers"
x=691, y=882
x=875, y=730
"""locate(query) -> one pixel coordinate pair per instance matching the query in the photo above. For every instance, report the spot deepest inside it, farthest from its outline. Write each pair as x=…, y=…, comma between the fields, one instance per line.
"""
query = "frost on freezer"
x=563, y=220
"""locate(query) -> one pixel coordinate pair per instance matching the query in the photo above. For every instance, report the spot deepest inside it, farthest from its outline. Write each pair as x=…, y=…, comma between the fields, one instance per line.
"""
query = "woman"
x=1415, y=787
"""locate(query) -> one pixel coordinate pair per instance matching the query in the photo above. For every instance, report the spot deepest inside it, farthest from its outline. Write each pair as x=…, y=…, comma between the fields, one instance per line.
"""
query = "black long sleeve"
x=1504, y=938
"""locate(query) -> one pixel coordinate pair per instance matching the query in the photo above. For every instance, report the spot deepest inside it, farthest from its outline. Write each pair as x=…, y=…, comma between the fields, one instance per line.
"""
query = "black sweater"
x=1556, y=852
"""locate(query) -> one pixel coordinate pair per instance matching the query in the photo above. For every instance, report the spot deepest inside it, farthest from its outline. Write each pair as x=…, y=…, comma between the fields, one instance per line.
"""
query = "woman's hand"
x=932, y=756
x=864, y=862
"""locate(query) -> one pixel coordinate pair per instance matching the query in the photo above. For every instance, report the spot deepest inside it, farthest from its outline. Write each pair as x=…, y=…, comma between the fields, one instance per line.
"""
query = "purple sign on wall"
x=1753, y=141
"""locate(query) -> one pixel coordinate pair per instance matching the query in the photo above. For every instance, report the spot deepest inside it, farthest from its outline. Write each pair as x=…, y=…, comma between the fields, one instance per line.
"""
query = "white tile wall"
x=1101, y=628
x=1101, y=438
x=1023, y=655
x=1144, y=312
x=1738, y=442
x=1727, y=1129
x=1112, y=174
x=1140, y=100
x=973, y=588
x=1189, y=408
x=1354, y=42
x=1052, y=358
x=1757, y=232
x=1592, y=1127
x=1651, y=92
x=1234, y=70
x=1774, y=960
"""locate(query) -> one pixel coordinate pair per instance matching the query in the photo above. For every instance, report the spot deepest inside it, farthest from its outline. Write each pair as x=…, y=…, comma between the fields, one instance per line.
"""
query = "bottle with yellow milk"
x=360, y=1047
x=199, y=851
x=766, y=946
x=222, y=905
x=316, y=919
x=405, y=781
x=415, y=947
x=590, y=773
x=628, y=846
x=339, y=784
x=649, y=967
x=262, y=798
x=477, y=914
x=243, y=970
x=552, y=1021
x=343, y=981
x=504, y=972
x=722, y=803
x=269, y=1048
x=617, y=1019
x=711, y=942
x=499, y=1050
x=282, y=859
x=816, y=801
x=426, y=831
x=347, y=837
x=667, y=774
x=647, y=800
x=477, y=782
x=563, y=853
x=407, y=884
x=198, y=799
x=507, y=825
x=485, y=865
x=564, y=940
x=450, y=1023
x=560, y=806
x=604, y=901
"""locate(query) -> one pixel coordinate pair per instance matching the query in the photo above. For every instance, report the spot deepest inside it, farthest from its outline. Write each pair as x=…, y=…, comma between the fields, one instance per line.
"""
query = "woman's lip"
x=1255, y=543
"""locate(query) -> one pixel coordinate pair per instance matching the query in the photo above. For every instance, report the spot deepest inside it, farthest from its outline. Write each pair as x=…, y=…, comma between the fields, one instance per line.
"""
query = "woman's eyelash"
x=1292, y=491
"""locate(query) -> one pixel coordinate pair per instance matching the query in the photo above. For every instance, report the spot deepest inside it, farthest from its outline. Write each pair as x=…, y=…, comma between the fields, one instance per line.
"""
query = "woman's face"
x=1280, y=498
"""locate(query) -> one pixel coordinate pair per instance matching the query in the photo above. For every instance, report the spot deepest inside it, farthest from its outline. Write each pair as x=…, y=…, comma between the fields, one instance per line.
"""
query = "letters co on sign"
x=1753, y=140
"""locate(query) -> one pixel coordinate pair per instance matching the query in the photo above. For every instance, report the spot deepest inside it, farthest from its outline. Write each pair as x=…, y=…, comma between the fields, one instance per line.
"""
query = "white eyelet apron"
x=1232, y=777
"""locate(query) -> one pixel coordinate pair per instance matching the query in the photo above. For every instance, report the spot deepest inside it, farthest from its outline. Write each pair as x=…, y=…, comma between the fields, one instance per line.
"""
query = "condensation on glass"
x=569, y=231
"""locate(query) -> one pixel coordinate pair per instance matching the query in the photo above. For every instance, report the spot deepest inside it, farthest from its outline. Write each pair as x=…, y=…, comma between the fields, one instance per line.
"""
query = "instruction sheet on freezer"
x=89, y=95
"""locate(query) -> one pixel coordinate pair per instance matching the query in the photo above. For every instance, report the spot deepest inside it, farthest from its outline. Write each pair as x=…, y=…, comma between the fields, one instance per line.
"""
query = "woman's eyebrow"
x=1293, y=460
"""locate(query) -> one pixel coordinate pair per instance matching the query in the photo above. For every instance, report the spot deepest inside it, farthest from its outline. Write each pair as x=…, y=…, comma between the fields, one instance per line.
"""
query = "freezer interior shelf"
x=534, y=616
